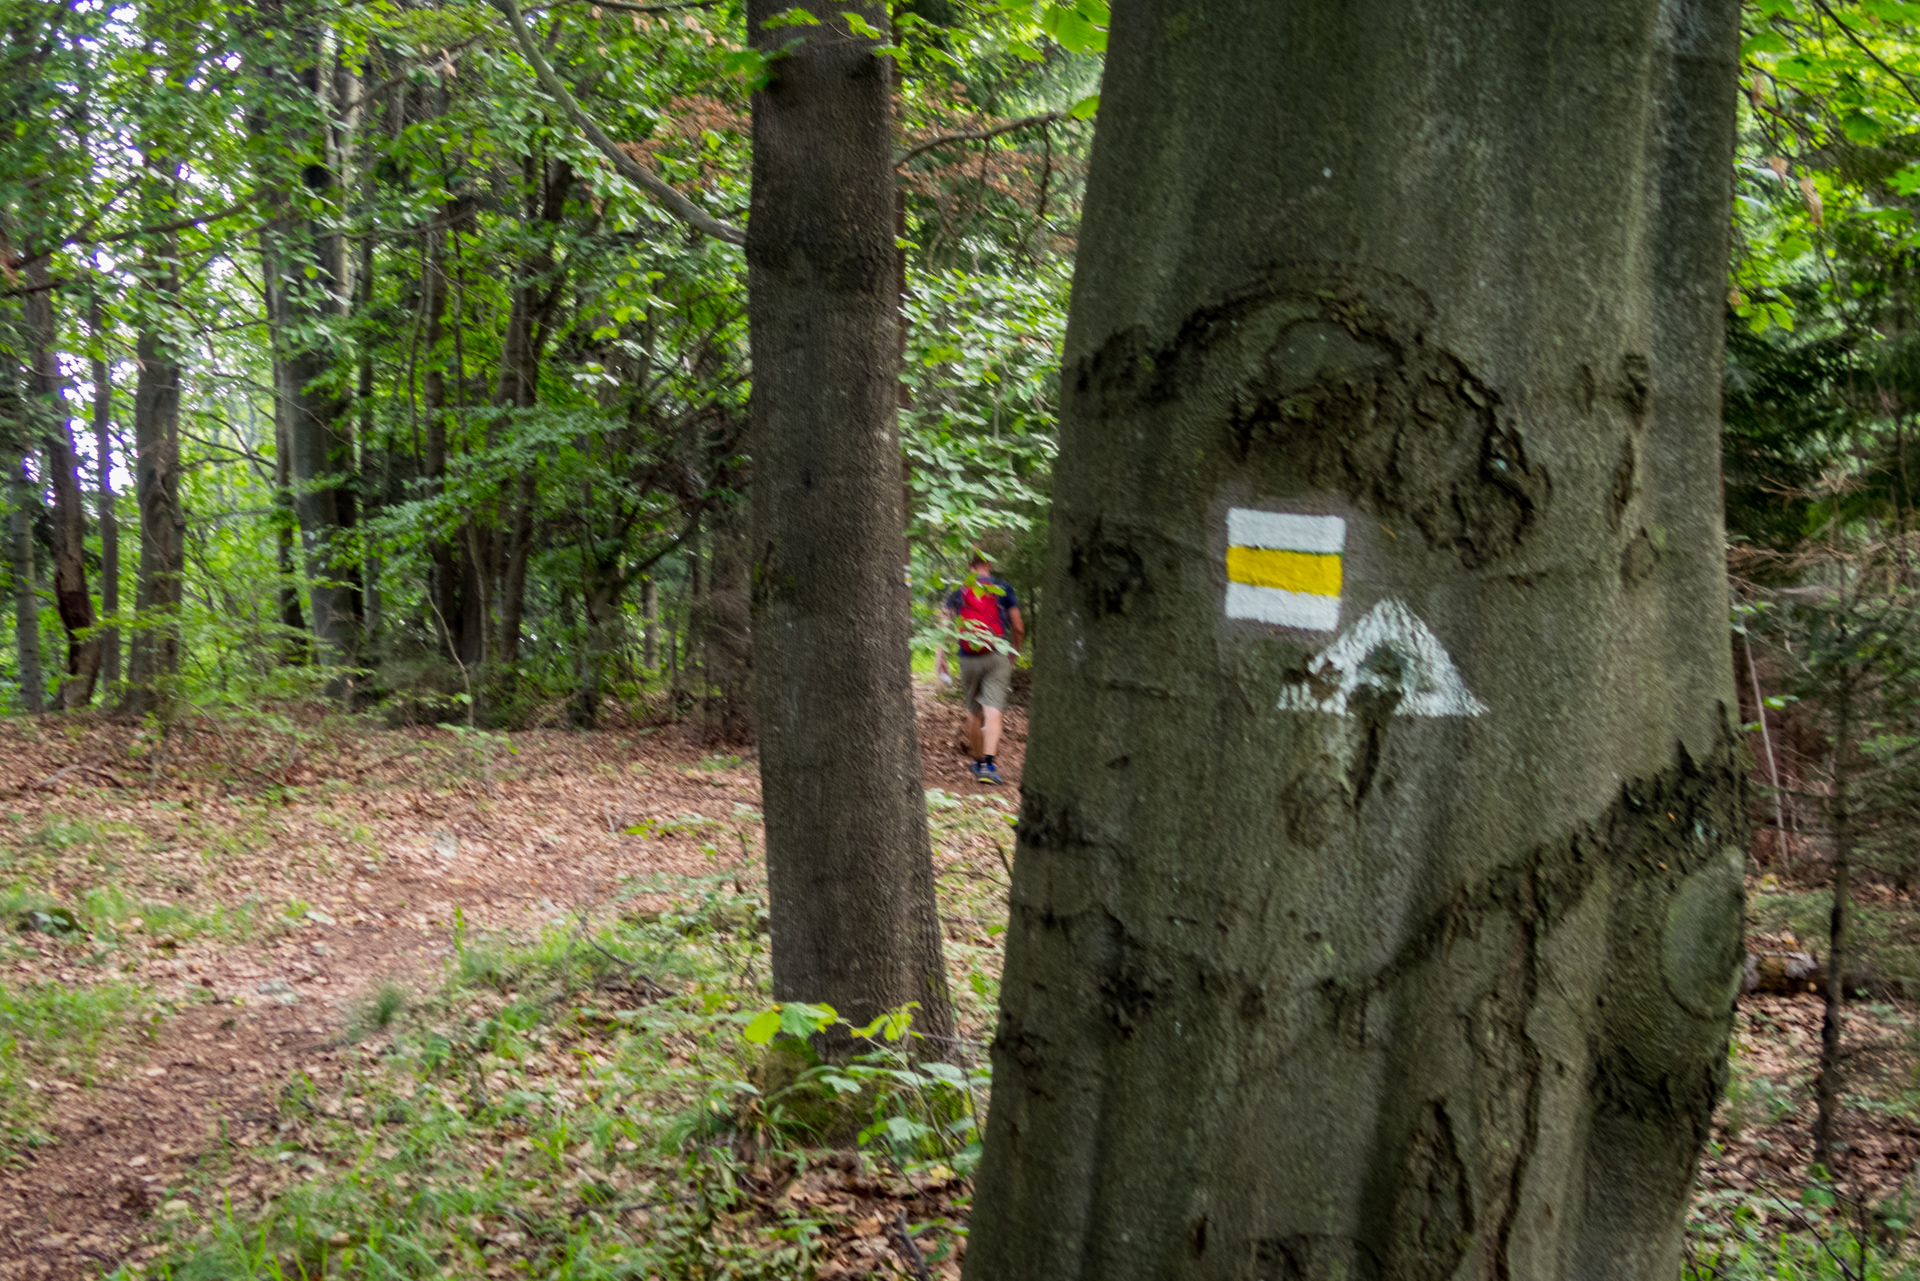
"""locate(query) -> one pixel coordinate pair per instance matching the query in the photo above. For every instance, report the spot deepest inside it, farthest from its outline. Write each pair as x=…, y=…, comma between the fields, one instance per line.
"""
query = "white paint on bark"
x=1388, y=649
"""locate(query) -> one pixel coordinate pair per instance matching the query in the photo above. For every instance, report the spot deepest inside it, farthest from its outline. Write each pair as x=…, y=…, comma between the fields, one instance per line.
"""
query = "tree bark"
x=163, y=524
x=308, y=294
x=1828, y=1078
x=727, y=627
x=50, y=414
x=109, y=515
x=649, y=625
x=848, y=856
x=1330, y=954
x=528, y=328
x=26, y=599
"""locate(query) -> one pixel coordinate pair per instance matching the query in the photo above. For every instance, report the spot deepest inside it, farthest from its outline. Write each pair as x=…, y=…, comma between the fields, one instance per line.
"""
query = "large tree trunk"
x=54, y=422
x=1341, y=957
x=163, y=524
x=848, y=857
x=109, y=515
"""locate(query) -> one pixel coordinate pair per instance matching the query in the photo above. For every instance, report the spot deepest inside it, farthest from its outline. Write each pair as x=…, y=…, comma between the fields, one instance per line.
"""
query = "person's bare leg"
x=974, y=734
x=989, y=731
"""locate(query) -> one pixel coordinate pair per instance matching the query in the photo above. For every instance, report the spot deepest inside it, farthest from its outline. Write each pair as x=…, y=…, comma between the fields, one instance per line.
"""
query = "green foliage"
x=1816, y=1235
x=54, y=1031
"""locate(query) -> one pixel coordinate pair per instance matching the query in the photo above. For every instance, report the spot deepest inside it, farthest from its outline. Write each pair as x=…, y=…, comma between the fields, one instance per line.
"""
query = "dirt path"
x=360, y=853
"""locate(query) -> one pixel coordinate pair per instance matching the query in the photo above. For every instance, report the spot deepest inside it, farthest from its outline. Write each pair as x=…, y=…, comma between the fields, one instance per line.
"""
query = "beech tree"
x=849, y=859
x=1377, y=908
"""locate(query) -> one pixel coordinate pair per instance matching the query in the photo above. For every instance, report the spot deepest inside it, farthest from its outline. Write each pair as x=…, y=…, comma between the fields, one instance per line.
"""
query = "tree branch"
x=161, y=228
x=643, y=8
x=1862, y=46
x=631, y=170
x=978, y=135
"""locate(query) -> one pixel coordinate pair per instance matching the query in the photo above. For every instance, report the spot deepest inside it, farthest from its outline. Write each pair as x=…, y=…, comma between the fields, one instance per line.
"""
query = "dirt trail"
x=389, y=838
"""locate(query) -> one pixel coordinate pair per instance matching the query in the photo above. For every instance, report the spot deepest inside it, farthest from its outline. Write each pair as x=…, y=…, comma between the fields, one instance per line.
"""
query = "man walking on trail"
x=985, y=613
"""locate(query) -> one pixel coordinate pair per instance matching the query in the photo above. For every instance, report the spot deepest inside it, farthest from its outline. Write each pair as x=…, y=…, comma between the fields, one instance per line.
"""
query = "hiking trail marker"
x=1284, y=569
x=1389, y=650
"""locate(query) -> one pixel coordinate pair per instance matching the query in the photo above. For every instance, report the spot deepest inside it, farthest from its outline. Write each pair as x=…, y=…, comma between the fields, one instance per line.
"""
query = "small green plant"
x=54, y=1034
x=1817, y=1235
x=913, y=1112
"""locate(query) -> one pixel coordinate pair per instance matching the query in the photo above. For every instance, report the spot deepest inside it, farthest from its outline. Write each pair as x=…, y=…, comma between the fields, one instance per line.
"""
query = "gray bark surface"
x=1297, y=994
x=849, y=860
x=155, y=655
x=54, y=420
x=26, y=599
x=109, y=515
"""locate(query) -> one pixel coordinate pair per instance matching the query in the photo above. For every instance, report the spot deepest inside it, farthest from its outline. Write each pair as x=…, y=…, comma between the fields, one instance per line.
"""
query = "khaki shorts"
x=984, y=680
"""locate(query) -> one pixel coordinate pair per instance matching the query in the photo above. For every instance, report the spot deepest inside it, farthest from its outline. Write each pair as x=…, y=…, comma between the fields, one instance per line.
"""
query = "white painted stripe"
x=1283, y=609
x=1285, y=531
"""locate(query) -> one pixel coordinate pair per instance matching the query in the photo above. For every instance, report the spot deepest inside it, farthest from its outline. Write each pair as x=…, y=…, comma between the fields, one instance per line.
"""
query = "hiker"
x=986, y=615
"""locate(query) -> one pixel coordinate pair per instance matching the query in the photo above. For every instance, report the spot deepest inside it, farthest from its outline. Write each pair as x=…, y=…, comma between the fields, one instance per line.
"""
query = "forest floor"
x=291, y=995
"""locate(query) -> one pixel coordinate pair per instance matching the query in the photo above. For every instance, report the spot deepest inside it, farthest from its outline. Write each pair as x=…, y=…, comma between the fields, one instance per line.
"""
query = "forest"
x=464, y=460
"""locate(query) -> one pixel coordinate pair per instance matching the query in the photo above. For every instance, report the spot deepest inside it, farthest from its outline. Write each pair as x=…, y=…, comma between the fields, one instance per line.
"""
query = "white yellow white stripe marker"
x=1284, y=568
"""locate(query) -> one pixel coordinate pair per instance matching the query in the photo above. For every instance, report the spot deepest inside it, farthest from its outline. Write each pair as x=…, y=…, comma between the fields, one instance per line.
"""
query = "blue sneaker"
x=984, y=772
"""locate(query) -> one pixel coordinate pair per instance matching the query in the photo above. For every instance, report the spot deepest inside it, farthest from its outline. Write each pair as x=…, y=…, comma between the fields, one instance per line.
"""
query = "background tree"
x=849, y=863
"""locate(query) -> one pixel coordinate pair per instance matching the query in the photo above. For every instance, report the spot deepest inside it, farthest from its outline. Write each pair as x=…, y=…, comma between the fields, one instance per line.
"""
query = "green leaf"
x=1084, y=109
x=802, y=1020
x=794, y=17
x=762, y=1027
x=1765, y=42
x=860, y=26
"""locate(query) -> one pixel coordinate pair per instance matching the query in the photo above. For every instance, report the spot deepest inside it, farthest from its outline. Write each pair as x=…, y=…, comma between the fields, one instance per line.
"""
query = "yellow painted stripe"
x=1289, y=571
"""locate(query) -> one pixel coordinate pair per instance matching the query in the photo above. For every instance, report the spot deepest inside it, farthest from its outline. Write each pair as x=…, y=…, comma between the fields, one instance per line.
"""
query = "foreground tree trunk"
x=1377, y=910
x=848, y=857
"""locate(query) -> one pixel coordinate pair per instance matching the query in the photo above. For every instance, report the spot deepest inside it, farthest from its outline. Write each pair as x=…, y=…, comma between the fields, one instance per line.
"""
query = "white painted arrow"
x=1388, y=649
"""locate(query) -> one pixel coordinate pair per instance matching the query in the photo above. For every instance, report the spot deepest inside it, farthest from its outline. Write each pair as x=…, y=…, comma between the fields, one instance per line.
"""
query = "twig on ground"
x=903, y=1245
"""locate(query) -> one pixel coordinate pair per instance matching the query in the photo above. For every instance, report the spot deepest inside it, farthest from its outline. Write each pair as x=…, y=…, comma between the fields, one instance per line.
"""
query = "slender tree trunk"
x=163, y=525
x=1377, y=904
x=649, y=625
x=26, y=599
x=849, y=861
x=444, y=576
x=513, y=586
x=308, y=295
x=286, y=525
x=1829, y=1078
x=728, y=626
x=109, y=516
x=54, y=422
x=528, y=328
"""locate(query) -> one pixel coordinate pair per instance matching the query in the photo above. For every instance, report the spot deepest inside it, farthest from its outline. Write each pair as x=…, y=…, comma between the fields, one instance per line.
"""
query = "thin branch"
x=632, y=171
x=162, y=228
x=1862, y=46
x=978, y=135
x=643, y=8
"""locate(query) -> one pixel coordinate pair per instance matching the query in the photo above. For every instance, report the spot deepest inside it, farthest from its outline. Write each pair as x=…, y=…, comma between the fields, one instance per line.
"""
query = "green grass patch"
x=53, y=1035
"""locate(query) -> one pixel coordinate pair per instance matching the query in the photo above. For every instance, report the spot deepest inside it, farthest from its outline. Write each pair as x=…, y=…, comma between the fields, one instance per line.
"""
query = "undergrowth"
x=1816, y=1234
x=54, y=1036
x=588, y=1105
